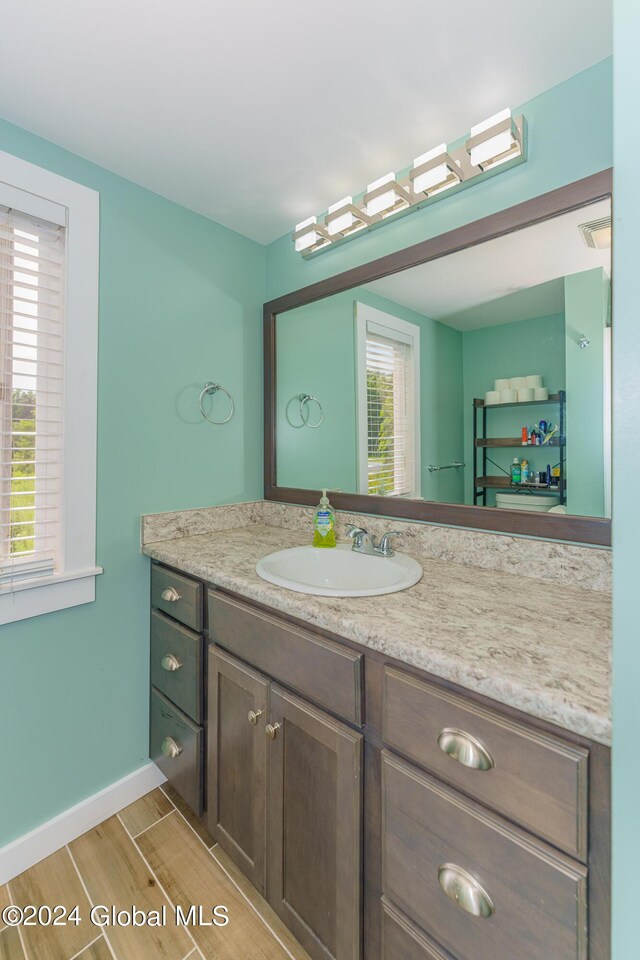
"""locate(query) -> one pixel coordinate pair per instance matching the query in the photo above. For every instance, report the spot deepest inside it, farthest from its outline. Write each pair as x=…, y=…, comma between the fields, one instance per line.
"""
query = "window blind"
x=390, y=425
x=32, y=276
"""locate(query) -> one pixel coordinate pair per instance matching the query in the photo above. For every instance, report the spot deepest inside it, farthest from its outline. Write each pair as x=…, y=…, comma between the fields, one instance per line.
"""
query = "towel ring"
x=209, y=389
x=305, y=399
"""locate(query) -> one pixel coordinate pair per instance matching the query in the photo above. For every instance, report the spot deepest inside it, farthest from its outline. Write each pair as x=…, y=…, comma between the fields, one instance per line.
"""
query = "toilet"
x=535, y=503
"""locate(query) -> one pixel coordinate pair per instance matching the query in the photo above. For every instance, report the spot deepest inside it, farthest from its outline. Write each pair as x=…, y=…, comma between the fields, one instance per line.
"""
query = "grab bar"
x=449, y=466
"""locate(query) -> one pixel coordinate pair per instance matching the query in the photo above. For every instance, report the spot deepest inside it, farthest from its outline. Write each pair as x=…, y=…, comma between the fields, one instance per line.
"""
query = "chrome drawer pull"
x=271, y=730
x=253, y=715
x=465, y=749
x=170, y=594
x=170, y=663
x=465, y=890
x=171, y=748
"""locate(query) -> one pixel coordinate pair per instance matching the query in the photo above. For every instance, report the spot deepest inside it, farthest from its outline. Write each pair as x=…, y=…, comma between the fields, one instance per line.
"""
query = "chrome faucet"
x=364, y=542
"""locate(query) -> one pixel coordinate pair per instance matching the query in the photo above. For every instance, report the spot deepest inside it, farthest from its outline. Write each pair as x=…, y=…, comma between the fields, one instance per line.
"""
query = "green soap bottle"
x=324, y=523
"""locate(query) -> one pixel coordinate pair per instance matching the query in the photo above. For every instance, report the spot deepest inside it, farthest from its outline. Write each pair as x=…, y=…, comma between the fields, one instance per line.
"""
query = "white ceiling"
x=260, y=114
x=514, y=277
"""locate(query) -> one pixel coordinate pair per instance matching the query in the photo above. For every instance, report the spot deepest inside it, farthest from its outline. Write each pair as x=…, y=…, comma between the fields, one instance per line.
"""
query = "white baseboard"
x=34, y=846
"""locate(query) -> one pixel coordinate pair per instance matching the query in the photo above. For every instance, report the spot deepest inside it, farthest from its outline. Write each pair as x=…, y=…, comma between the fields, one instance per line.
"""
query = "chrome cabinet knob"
x=171, y=748
x=170, y=594
x=465, y=749
x=271, y=730
x=253, y=716
x=170, y=663
x=465, y=891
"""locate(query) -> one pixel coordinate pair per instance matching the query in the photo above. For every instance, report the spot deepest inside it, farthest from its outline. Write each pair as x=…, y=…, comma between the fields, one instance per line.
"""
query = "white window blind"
x=391, y=452
x=32, y=280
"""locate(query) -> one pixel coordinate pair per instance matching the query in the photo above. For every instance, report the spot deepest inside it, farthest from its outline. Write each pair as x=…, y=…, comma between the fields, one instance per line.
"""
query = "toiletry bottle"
x=525, y=436
x=516, y=471
x=524, y=471
x=324, y=523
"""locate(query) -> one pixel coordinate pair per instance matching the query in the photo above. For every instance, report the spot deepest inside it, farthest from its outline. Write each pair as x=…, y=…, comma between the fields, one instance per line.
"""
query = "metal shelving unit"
x=482, y=482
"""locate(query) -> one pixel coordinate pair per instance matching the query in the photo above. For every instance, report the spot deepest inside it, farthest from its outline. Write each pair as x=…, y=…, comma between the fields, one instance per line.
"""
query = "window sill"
x=32, y=598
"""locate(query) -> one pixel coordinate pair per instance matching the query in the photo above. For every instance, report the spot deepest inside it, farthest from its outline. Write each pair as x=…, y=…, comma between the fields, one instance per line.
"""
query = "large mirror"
x=478, y=379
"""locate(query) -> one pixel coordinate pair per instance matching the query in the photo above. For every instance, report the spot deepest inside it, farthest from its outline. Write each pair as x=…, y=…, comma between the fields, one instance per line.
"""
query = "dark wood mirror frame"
x=557, y=526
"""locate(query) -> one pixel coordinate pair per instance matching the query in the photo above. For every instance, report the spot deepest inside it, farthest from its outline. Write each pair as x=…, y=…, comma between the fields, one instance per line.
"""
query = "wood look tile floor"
x=152, y=855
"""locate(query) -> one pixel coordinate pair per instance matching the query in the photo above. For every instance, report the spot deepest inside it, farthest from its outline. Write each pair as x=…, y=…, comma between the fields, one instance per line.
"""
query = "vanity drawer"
x=401, y=940
x=325, y=672
x=176, y=595
x=176, y=664
x=526, y=895
x=175, y=746
x=533, y=778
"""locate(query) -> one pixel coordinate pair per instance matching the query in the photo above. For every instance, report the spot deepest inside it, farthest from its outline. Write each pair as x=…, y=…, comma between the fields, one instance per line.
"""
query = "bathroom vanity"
x=403, y=777
x=421, y=775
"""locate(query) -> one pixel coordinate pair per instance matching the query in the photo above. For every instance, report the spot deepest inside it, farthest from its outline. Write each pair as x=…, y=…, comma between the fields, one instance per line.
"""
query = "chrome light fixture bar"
x=385, y=196
x=495, y=145
x=494, y=141
x=310, y=235
x=344, y=217
x=435, y=171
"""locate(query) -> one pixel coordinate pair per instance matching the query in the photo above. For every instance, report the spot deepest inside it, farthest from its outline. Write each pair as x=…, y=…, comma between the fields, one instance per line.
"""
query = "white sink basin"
x=338, y=571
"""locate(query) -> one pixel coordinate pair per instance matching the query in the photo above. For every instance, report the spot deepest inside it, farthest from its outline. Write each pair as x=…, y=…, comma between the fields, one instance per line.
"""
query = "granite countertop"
x=534, y=645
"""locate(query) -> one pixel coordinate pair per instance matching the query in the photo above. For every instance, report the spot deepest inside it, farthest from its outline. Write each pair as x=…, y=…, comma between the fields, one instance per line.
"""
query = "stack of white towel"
x=517, y=390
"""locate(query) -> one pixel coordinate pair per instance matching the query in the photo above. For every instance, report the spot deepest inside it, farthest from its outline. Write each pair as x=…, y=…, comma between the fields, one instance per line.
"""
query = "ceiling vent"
x=597, y=233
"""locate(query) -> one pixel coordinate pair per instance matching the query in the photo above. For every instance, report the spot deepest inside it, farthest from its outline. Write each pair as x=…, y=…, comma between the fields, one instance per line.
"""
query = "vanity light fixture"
x=434, y=171
x=385, y=196
x=310, y=235
x=340, y=218
x=495, y=145
x=344, y=217
x=494, y=141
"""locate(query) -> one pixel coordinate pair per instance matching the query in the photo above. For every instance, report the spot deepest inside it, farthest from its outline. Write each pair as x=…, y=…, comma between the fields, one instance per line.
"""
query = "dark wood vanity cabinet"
x=237, y=760
x=270, y=750
x=176, y=728
x=472, y=879
x=385, y=814
x=315, y=826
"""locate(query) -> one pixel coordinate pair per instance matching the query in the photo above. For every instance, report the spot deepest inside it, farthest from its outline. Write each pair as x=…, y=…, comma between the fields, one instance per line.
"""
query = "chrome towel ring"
x=209, y=389
x=305, y=399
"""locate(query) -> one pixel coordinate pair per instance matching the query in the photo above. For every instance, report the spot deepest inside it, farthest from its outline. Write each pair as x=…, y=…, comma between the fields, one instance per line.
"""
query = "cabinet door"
x=237, y=762
x=314, y=838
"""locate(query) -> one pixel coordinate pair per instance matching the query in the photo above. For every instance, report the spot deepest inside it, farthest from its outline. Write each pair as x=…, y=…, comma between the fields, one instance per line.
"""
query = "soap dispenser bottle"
x=324, y=523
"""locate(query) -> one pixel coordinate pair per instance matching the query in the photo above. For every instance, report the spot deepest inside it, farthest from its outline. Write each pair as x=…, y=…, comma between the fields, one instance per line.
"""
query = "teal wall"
x=180, y=302
x=511, y=350
x=626, y=470
x=442, y=421
x=570, y=136
x=316, y=354
x=586, y=297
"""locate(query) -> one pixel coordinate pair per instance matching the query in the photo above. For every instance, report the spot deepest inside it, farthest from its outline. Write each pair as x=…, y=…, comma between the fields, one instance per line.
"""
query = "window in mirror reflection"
x=388, y=391
x=398, y=362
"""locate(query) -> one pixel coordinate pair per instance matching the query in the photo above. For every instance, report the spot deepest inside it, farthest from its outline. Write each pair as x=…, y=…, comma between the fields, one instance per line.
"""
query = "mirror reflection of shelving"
x=554, y=487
